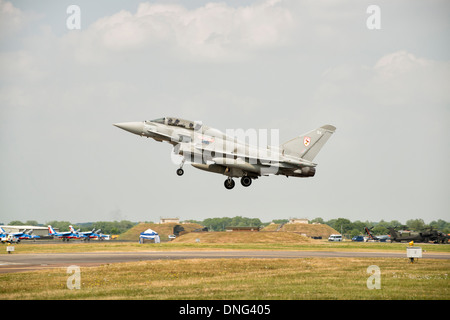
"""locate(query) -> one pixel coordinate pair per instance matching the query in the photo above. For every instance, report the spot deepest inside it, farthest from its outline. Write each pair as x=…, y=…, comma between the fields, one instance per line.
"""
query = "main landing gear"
x=229, y=183
x=245, y=181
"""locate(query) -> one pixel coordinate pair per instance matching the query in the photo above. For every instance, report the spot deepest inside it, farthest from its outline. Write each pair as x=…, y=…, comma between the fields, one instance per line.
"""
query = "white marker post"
x=413, y=253
x=10, y=249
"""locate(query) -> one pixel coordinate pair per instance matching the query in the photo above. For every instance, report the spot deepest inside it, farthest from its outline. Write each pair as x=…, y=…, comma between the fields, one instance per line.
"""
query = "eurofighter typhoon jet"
x=212, y=150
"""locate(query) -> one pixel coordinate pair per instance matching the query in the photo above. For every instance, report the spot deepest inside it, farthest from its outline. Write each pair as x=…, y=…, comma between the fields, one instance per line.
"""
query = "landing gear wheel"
x=229, y=183
x=180, y=172
x=246, y=181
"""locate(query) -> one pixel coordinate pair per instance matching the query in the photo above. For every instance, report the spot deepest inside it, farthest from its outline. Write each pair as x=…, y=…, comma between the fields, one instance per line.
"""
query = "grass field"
x=221, y=241
x=240, y=279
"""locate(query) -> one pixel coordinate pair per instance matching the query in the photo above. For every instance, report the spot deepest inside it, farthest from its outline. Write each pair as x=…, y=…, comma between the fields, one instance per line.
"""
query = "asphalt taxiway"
x=26, y=262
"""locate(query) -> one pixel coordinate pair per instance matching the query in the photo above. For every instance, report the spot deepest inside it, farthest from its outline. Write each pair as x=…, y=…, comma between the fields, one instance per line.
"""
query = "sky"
x=381, y=77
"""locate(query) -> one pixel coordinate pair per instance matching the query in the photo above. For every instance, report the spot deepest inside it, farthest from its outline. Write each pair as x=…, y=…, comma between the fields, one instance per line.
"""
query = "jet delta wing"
x=211, y=150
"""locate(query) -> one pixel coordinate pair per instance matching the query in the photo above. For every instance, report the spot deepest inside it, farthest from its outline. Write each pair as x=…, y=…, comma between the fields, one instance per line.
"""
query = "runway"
x=27, y=262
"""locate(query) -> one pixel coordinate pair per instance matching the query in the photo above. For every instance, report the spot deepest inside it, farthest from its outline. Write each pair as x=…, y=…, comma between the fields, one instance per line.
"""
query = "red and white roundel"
x=306, y=141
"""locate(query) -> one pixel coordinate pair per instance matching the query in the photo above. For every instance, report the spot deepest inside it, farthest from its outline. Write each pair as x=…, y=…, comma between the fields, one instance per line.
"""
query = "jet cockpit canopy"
x=177, y=122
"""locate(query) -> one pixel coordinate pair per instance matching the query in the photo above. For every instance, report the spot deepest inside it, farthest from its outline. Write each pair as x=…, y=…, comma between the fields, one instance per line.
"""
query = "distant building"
x=169, y=220
x=304, y=221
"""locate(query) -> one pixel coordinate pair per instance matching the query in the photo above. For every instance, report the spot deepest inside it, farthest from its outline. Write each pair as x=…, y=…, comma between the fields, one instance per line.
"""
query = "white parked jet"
x=212, y=150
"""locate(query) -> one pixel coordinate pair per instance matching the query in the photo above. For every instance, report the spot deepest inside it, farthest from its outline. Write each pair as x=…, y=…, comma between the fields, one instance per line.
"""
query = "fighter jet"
x=88, y=235
x=18, y=235
x=65, y=236
x=211, y=150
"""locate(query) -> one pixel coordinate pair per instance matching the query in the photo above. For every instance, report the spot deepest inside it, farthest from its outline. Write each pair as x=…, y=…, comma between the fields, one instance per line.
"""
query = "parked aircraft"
x=426, y=235
x=370, y=236
x=65, y=236
x=101, y=236
x=212, y=150
x=18, y=235
x=440, y=237
x=27, y=235
x=94, y=234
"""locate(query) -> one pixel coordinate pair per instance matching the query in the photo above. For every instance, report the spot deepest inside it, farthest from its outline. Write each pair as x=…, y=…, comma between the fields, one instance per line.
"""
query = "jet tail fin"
x=308, y=145
x=51, y=230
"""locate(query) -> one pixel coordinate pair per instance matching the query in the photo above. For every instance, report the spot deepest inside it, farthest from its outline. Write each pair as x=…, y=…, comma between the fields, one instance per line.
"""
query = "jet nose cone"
x=133, y=127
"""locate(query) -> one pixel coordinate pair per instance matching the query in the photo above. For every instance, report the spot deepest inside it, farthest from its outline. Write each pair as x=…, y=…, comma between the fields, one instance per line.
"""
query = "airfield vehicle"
x=9, y=239
x=335, y=237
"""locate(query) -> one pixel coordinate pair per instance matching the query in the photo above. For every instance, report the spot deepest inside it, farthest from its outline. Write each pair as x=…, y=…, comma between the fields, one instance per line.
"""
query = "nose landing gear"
x=180, y=171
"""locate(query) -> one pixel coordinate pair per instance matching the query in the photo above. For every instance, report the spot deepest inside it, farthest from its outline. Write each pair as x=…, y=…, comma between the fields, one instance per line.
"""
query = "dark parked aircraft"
x=383, y=238
x=427, y=235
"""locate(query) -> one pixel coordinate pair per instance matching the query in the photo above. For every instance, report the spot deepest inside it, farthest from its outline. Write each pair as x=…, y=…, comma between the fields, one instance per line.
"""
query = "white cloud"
x=402, y=79
x=60, y=92
x=215, y=31
x=11, y=19
x=397, y=79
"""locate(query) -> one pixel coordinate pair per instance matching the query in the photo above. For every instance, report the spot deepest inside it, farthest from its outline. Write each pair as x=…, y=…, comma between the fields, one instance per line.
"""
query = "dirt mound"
x=271, y=227
x=242, y=237
x=310, y=230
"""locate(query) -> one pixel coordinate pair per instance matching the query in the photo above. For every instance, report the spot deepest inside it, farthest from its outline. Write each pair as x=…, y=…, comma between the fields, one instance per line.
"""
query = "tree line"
x=341, y=225
x=220, y=224
x=347, y=227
